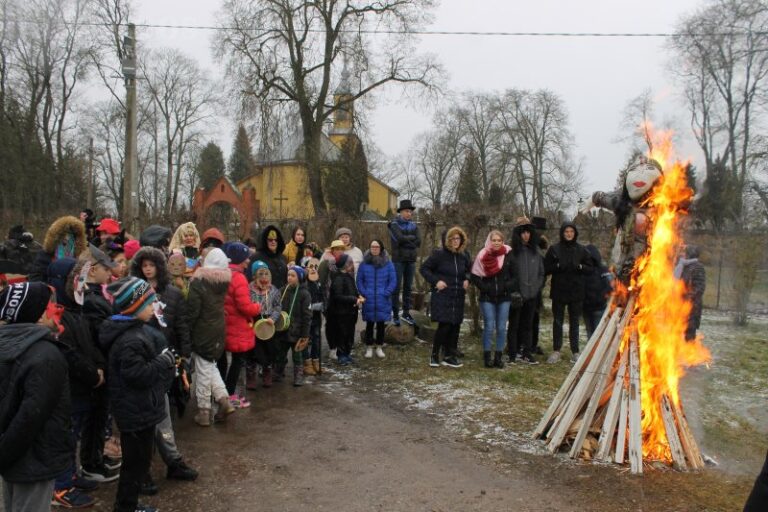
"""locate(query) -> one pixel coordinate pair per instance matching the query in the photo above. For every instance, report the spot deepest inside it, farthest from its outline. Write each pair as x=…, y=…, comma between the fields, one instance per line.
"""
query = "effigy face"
x=641, y=178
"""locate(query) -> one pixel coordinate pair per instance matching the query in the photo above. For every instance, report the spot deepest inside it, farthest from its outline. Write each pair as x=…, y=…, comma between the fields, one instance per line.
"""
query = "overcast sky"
x=595, y=77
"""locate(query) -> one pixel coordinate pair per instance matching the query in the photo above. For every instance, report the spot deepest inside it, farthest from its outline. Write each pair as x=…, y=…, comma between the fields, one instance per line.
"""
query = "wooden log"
x=566, y=389
x=635, y=409
x=584, y=388
x=621, y=436
x=612, y=411
x=675, y=446
x=690, y=447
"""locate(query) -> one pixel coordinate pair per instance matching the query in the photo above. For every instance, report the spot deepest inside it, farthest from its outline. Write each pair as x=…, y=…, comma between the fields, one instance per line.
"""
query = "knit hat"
x=343, y=231
x=131, y=247
x=236, y=252
x=24, y=303
x=131, y=295
x=109, y=226
x=258, y=265
x=216, y=259
x=300, y=272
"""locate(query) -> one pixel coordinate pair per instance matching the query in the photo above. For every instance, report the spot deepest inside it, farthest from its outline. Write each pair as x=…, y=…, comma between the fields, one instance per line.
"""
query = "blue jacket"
x=405, y=239
x=376, y=281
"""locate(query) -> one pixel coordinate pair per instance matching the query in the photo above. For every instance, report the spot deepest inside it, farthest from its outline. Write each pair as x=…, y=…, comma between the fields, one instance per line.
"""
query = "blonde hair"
x=496, y=232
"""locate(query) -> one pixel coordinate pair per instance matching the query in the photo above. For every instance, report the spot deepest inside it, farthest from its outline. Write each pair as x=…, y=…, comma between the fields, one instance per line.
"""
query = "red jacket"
x=239, y=312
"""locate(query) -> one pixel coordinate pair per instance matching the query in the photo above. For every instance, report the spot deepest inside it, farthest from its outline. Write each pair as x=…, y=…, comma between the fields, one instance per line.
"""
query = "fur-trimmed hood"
x=177, y=241
x=213, y=275
x=157, y=257
x=59, y=230
x=263, y=240
x=455, y=230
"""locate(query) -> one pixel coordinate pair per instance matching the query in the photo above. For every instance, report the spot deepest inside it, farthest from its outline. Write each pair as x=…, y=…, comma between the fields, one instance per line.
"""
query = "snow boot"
x=251, y=377
x=298, y=375
x=203, y=417
x=266, y=377
x=308, y=368
x=487, y=359
x=225, y=409
x=497, y=362
x=316, y=367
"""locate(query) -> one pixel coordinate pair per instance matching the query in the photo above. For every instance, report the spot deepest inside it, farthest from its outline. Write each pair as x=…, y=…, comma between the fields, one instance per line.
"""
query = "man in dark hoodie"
x=568, y=262
x=139, y=378
x=270, y=251
x=35, y=445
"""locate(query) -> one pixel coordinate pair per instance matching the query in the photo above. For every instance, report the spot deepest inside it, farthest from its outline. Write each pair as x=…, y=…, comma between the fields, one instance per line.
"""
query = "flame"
x=662, y=309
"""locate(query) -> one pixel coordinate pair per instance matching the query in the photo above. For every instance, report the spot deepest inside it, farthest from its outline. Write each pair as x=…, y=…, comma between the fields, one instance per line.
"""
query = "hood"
x=15, y=339
x=157, y=257
x=155, y=236
x=177, y=242
x=59, y=230
x=263, y=239
x=568, y=224
x=113, y=327
x=213, y=234
x=217, y=278
x=58, y=276
x=378, y=261
x=455, y=230
x=517, y=241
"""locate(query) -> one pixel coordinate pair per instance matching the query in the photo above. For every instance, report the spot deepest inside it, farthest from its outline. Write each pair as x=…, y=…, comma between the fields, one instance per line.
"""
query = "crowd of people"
x=103, y=334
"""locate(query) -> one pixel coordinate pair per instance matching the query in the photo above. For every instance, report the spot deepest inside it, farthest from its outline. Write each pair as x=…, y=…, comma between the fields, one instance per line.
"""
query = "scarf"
x=488, y=263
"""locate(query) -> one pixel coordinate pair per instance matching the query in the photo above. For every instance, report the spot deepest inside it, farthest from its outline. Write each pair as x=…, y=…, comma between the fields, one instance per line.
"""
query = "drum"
x=263, y=329
x=284, y=322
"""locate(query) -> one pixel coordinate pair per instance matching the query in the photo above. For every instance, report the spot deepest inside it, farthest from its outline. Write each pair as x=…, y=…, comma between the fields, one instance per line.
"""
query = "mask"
x=263, y=277
x=312, y=265
x=177, y=264
x=641, y=178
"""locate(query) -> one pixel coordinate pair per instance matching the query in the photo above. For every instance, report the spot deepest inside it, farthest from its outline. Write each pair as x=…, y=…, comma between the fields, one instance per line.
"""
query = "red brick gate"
x=245, y=203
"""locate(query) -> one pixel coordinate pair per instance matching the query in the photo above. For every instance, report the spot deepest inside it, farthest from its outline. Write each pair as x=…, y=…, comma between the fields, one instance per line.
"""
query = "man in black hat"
x=405, y=244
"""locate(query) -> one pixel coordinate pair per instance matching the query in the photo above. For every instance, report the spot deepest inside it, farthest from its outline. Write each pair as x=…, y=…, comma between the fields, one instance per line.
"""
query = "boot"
x=298, y=375
x=266, y=377
x=250, y=378
x=497, y=362
x=203, y=417
x=316, y=367
x=279, y=374
x=308, y=368
x=487, y=359
x=225, y=409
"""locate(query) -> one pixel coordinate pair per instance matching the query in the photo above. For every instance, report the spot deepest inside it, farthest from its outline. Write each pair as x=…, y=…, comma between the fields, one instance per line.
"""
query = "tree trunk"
x=315, y=170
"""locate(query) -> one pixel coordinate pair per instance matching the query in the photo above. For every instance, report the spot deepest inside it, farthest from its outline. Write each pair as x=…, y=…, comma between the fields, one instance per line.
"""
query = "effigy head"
x=641, y=177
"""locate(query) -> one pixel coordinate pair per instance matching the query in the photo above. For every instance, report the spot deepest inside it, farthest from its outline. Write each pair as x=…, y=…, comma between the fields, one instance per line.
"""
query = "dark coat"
x=139, y=377
x=597, y=284
x=35, y=410
x=96, y=309
x=276, y=262
x=568, y=263
x=205, y=311
x=23, y=253
x=84, y=357
x=695, y=278
x=405, y=239
x=300, y=314
x=376, y=281
x=451, y=267
x=342, y=299
x=498, y=288
x=529, y=262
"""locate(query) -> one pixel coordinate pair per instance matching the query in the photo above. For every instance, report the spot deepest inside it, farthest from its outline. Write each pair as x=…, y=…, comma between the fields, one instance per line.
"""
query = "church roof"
x=292, y=150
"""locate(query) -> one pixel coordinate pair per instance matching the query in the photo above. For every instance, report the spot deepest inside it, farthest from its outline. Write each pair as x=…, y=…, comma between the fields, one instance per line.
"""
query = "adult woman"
x=376, y=281
x=447, y=270
x=294, y=249
x=494, y=276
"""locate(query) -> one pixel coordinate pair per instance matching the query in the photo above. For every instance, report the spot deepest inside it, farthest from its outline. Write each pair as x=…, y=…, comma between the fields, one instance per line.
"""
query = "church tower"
x=343, y=118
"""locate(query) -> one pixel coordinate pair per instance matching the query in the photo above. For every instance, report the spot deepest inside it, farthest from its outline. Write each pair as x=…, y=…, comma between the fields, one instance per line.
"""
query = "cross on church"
x=280, y=198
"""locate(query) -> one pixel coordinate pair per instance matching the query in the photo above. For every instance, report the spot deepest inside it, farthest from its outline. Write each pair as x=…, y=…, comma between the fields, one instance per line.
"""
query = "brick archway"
x=245, y=203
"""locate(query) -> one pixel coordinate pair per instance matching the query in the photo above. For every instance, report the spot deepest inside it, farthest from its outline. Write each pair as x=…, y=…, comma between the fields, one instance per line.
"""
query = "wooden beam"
x=612, y=414
x=635, y=408
x=675, y=446
x=690, y=447
x=621, y=436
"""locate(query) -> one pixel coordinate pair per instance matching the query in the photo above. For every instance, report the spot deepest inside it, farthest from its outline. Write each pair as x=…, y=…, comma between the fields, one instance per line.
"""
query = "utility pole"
x=130, y=213
x=89, y=199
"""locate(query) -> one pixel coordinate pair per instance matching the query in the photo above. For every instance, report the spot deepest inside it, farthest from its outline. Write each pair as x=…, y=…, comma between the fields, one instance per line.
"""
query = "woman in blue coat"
x=376, y=281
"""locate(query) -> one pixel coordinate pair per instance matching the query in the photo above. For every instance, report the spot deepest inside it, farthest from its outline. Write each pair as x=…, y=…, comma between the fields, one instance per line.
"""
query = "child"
x=295, y=300
x=267, y=295
x=35, y=442
x=317, y=293
x=343, y=305
x=205, y=316
x=139, y=378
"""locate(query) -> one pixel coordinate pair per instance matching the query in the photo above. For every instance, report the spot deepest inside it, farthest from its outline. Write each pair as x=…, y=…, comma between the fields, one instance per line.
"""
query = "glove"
x=168, y=357
x=301, y=344
x=517, y=300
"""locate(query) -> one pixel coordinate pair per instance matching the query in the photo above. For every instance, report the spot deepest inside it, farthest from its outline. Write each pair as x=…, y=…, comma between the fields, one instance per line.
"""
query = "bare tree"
x=290, y=50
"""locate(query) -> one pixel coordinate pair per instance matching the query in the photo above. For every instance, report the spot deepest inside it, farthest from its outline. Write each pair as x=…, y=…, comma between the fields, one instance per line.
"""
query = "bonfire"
x=621, y=400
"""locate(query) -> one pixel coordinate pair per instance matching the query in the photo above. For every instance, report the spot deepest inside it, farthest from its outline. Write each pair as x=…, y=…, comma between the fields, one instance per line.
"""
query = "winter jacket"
x=568, y=262
x=597, y=284
x=451, y=267
x=276, y=262
x=22, y=253
x=356, y=254
x=139, y=377
x=529, y=263
x=342, y=299
x=300, y=314
x=269, y=302
x=59, y=231
x=83, y=357
x=498, y=288
x=376, y=281
x=239, y=312
x=293, y=252
x=205, y=311
x=96, y=309
x=35, y=410
x=695, y=278
x=405, y=239
x=326, y=270
x=317, y=295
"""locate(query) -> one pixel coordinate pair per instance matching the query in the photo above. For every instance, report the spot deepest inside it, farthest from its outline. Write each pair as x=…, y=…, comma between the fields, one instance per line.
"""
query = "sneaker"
x=145, y=508
x=554, y=357
x=409, y=319
x=574, y=357
x=101, y=474
x=434, y=362
x=235, y=401
x=180, y=471
x=396, y=322
x=71, y=498
x=528, y=360
x=84, y=484
x=244, y=403
x=344, y=360
x=380, y=353
x=148, y=486
x=369, y=352
x=452, y=362
x=111, y=462
x=333, y=355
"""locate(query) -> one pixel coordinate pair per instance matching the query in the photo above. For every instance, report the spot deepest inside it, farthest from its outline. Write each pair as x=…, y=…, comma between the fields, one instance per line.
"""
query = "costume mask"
x=641, y=178
x=264, y=277
x=177, y=264
x=312, y=265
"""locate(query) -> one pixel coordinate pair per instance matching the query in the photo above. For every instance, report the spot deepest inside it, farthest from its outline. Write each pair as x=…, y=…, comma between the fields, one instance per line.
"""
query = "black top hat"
x=406, y=204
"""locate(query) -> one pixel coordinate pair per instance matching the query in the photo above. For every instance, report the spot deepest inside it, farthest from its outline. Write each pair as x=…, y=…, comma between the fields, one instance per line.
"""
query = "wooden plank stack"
x=597, y=412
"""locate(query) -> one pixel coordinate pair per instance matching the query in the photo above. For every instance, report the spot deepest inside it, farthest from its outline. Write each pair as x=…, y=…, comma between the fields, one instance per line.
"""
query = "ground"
x=396, y=435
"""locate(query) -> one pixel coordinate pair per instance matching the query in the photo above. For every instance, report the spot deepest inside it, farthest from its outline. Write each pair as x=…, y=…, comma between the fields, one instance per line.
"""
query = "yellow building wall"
x=380, y=198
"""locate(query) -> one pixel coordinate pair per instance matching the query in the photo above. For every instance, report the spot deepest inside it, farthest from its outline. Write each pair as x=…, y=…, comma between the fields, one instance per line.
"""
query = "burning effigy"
x=621, y=400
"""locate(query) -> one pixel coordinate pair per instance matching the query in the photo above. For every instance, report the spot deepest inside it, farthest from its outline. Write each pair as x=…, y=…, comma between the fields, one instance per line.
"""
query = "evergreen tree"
x=346, y=181
x=495, y=195
x=241, y=163
x=468, y=187
x=720, y=198
x=210, y=165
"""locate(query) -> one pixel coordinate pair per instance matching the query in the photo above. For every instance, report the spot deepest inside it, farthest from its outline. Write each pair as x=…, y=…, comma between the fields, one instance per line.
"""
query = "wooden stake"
x=635, y=408
x=621, y=437
x=671, y=429
x=690, y=447
x=612, y=414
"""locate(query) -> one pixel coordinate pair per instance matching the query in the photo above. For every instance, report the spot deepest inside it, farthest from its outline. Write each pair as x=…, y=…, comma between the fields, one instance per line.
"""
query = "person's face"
x=99, y=274
x=455, y=241
x=375, y=248
x=189, y=239
x=298, y=237
x=122, y=265
x=83, y=216
x=263, y=277
x=346, y=239
x=272, y=244
x=496, y=242
x=292, y=278
x=569, y=233
x=525, y=236
x=149, y=270
x=103, y=236
x=406, y=214
x=146, y=314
